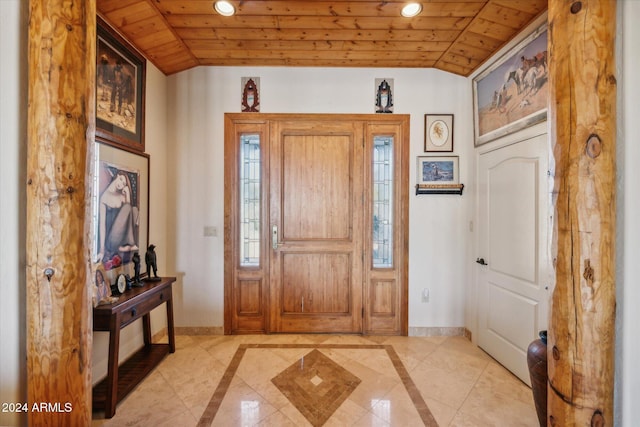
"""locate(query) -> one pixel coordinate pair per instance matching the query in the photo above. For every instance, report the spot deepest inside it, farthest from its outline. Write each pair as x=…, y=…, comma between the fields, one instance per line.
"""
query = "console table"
x=132, y=305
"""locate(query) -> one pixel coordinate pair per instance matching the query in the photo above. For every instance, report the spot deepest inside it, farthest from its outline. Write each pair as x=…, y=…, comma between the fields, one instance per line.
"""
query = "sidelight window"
x=250, y=200
x=382, y=172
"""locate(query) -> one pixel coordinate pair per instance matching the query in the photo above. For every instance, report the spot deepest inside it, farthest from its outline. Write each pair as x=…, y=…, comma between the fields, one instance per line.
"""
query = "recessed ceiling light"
x=224, y=8
x=411, y=9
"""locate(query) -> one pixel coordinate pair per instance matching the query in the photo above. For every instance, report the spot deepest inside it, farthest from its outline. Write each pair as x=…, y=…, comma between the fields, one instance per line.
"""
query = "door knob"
x=481, y=261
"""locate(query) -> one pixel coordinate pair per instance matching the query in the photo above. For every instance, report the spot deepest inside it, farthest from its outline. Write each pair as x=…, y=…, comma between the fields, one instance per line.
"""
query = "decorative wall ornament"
x=384, y=95
x=250, y=94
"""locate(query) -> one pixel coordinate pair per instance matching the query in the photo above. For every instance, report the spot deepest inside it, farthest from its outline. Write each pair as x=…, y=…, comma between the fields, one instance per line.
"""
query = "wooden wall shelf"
x=439, y=189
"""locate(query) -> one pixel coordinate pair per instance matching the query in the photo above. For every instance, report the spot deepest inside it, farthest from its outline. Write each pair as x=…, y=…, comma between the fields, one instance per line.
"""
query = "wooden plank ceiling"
x=451, y=35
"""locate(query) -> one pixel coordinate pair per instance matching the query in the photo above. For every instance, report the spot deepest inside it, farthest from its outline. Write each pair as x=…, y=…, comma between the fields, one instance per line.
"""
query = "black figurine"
x=136, y=269
x=150, y=260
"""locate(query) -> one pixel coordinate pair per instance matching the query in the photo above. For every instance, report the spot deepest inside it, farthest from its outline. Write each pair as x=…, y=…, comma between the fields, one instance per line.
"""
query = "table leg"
x=111, y=399
x=170, y=329
x=146, y=329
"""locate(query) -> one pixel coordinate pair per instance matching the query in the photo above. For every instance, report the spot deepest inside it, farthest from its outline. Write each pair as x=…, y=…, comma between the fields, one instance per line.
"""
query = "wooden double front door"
x=303, y=213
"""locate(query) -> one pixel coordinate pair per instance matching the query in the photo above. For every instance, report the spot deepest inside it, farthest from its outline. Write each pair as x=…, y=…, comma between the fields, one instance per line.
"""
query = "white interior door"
x=513, y=260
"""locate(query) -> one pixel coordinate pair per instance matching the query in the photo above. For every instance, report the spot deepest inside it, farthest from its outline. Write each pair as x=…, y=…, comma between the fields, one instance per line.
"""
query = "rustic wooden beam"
x=60, y=130
x=583, y=131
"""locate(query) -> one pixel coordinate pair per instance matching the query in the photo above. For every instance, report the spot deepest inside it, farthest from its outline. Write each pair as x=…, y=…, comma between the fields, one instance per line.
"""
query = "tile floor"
x=331, y=380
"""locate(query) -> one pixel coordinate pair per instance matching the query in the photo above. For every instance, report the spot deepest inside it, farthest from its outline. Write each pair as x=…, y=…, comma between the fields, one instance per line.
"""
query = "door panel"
x=513, y=217
x=316, y=200
x=316, y=283
x=316, y=187
x=513, y=236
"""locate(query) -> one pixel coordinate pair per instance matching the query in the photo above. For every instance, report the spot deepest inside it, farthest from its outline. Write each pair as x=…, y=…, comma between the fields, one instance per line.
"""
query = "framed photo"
x=437, y=170
x=438, y=132
x=512, y=93
x=120, y=90
x=121, y=209
x=438, y=175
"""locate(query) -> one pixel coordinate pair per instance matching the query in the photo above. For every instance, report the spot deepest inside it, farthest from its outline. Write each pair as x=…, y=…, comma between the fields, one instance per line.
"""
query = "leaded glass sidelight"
x=250, y=200
x=382, y=201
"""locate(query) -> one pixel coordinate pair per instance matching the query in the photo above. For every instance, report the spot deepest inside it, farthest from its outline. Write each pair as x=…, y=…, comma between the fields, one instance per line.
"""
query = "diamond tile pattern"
x=316, y=386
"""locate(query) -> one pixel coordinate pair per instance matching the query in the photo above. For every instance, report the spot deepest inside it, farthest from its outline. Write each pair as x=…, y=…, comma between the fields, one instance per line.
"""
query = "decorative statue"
x=150, y=260
x=136, y=269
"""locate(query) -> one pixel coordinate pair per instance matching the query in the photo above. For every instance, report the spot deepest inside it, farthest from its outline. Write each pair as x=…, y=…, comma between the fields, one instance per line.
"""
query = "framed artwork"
x=512, y=93
x=438, y=133
x=438, y=175
x=120, y=90
x=121, y=209
x=102, y=287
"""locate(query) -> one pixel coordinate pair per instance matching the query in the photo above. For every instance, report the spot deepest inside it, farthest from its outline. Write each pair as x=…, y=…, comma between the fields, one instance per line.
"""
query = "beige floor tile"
x=396, y=408
x=443, y=413
x=277, y=419
x=371, y=420
x=446, y=384
x=242, y=406
x=346, y=415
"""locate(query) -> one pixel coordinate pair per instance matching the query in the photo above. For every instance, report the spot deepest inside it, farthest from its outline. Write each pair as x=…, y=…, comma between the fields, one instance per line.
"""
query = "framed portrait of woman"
x=120, y=208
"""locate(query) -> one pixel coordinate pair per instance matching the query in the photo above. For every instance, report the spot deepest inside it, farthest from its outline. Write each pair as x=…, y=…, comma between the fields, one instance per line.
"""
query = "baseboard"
x=417, y=331
x=199, y=330
x=422, y=331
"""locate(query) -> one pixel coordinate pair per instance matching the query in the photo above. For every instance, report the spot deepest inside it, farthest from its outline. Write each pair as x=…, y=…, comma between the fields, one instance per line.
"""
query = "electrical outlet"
x=425, y=295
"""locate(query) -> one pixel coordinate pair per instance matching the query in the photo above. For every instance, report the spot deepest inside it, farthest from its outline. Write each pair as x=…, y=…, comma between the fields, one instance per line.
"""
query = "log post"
x=60, y=130
x=583, y=136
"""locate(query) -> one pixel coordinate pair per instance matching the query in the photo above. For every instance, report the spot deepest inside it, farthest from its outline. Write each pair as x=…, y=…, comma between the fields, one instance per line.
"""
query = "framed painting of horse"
x=120, y=90
x=512, y=93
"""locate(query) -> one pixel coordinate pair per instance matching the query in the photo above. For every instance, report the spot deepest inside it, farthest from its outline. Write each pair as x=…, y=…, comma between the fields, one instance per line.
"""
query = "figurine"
x=136, y=270
x=150, y=260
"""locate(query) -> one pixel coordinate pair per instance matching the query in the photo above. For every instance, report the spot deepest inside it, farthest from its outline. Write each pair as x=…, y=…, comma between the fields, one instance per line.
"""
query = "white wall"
x=198, y=99
x=13, y=94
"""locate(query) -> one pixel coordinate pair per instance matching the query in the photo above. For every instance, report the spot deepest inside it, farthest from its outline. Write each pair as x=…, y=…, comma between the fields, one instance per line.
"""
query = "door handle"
x=274, y=237
x=481, y=261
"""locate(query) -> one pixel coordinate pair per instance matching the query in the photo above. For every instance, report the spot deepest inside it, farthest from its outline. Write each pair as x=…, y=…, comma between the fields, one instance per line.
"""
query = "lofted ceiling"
x=451, y=35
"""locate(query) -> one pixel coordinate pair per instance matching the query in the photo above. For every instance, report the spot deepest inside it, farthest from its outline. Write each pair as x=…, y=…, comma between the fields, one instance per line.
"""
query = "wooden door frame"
x=257, y=316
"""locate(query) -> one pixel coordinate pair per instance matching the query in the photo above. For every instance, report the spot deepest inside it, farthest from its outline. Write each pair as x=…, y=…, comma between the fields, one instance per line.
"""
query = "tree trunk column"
x=60, y=129
x=583, y=121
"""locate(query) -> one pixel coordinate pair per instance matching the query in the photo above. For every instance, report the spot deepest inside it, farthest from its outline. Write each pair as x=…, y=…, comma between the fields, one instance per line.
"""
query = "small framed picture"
x=438, y=170
x=438, y=133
